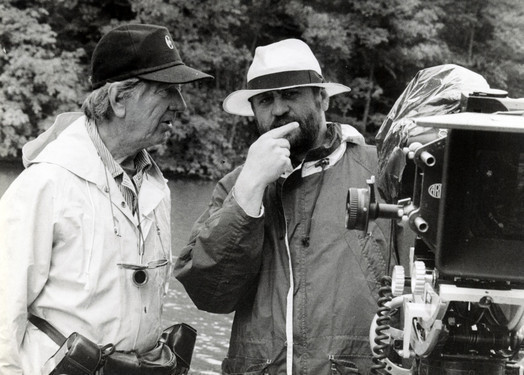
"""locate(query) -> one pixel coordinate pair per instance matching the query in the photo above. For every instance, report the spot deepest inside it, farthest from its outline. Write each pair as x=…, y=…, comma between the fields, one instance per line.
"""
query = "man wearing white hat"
x=272, y=245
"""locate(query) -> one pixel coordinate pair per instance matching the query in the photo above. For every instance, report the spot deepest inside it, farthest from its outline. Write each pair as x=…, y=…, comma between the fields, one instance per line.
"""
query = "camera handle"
x=361, y=207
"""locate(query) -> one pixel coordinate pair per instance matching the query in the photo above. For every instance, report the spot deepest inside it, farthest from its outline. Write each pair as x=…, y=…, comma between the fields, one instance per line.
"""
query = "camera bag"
x=78, y=355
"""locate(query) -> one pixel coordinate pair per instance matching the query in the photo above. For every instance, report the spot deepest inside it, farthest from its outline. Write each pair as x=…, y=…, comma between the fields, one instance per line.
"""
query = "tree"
x=208, y=143
x=36, y=78
x=482, y=37
x=374, y=46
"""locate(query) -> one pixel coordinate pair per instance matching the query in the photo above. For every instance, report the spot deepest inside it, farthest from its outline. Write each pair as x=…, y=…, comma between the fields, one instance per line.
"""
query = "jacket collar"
x=337, y=138
x=332, y=141
x=67, y=144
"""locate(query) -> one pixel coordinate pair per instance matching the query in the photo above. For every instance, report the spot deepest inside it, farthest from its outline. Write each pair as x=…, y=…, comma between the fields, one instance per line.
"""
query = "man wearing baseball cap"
x=272, y=246
x=86, y=243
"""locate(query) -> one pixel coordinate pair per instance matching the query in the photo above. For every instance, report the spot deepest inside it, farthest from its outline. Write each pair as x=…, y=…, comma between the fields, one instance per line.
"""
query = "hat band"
x=285, y=79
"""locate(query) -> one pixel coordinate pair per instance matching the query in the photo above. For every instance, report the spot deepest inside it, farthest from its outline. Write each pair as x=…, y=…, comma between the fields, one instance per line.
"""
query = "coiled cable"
x=383, y=320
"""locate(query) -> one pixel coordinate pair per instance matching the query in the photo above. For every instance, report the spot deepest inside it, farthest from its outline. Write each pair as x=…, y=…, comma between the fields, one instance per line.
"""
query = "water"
x=189, y=199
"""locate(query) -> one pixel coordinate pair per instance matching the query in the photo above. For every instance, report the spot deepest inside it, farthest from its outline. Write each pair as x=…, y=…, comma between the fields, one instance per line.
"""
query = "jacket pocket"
x=245, y=366
x=343, y=365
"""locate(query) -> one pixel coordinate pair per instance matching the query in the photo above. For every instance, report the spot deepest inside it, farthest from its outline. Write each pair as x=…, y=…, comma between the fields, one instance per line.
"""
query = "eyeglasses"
x=141, y=267
x=140, y=274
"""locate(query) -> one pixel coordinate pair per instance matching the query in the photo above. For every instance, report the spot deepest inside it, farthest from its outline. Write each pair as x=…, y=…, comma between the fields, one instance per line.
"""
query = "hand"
x=267, y=159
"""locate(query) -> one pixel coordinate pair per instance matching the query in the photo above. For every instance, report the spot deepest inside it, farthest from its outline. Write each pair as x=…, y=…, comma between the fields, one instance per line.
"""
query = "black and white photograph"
x=261, y=187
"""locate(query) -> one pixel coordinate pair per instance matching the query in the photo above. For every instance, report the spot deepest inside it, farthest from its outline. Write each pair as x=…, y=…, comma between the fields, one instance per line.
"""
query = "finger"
x=282, y=142
x=282, y=151
x=288, y=167
x=282, y=130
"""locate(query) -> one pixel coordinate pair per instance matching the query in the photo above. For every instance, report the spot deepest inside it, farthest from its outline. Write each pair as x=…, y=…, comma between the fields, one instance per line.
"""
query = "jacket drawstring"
x=323, y=163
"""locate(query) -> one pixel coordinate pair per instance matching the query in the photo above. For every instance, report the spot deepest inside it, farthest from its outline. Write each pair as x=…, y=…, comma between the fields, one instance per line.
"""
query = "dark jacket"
x=235, y=262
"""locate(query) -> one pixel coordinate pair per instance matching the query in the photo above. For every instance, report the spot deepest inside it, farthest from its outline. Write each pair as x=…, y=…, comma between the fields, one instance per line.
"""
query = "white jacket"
x=59, y=252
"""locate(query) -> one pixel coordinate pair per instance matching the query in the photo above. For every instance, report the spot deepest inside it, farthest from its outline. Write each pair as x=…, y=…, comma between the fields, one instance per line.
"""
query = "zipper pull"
x=322, y=163
x=305, y=241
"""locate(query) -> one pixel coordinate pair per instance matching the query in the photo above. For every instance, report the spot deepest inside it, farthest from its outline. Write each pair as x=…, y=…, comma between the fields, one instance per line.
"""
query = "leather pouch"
x=77, y=356
x=171, y=355
x=181, y=339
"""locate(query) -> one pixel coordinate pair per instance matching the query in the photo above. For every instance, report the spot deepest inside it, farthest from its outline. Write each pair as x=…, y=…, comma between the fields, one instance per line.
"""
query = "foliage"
x=36, y=78
x=373, y=46
x=483, y=37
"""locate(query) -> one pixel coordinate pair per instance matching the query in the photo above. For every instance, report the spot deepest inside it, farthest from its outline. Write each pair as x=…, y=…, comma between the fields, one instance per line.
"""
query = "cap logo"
x=169, y=42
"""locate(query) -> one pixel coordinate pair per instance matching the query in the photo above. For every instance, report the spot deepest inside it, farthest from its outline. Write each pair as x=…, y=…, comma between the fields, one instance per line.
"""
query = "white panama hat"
x=279, y=66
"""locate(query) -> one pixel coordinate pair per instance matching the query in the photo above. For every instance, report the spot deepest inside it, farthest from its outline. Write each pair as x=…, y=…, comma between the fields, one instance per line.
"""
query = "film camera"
x=463, y=310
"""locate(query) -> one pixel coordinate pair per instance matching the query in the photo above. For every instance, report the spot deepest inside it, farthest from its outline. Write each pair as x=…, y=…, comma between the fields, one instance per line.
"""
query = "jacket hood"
x=66, y=144
x=33, y=148
x=352, y=135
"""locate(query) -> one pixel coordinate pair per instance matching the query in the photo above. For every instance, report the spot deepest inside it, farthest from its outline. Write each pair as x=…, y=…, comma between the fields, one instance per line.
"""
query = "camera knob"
x=398, y=281
x=418, y=278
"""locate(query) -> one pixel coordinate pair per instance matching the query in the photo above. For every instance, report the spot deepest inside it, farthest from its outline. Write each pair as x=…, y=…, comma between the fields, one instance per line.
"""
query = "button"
x=123, y=204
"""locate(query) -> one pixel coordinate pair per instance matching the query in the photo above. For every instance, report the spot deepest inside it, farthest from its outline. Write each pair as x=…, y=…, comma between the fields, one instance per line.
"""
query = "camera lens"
x=357, y=209
x=140, y=277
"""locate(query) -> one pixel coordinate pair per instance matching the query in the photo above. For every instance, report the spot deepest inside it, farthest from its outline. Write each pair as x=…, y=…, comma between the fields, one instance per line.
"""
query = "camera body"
x=464, y=307
x=480, y=231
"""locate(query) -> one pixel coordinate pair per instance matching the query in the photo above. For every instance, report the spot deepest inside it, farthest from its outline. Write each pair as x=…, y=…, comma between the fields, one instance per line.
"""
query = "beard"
x=304, y=137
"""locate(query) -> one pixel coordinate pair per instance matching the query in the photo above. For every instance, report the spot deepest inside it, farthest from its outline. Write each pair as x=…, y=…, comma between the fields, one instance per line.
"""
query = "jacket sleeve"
x=220, y=265
x=26, y=238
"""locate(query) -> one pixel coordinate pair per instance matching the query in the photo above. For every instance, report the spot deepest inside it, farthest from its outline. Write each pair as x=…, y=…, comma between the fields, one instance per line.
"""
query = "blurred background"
x=373, y=46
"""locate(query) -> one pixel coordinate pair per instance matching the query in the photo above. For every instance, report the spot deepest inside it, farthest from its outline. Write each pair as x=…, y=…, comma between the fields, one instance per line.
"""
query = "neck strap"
x=48, y=329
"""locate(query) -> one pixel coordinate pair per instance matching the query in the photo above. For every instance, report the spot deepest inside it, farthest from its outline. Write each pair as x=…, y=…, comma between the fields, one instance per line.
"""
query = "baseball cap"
x=143, y=51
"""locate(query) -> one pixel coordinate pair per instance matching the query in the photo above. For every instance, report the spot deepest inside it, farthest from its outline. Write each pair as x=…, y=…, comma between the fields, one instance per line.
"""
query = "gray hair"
x=97, y=107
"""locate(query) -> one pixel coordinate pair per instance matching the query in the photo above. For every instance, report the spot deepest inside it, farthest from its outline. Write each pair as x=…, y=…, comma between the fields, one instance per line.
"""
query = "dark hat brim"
x=175, y=74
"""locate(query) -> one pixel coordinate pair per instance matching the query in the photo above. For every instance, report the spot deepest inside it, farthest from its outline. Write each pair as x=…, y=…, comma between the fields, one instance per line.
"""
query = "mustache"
x=283, y=121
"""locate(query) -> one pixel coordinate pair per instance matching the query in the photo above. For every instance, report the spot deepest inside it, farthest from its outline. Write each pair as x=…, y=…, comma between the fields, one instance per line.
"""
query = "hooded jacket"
x=302, y=286
x=64, y=226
